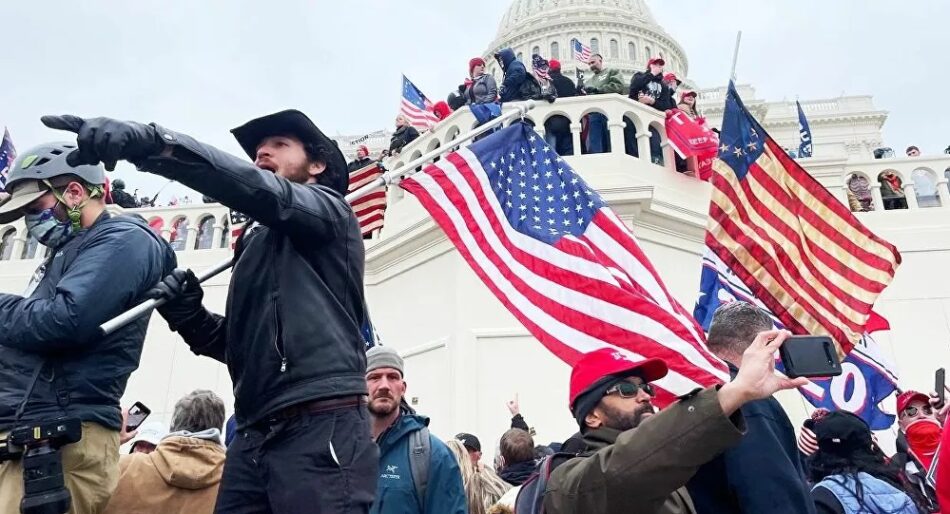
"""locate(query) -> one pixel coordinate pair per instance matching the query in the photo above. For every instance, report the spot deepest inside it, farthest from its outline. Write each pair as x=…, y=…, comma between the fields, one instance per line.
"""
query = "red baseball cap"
x=657, y=60
x=608, y=362
x=684, y=94
x=554, y=65
x=908, y=396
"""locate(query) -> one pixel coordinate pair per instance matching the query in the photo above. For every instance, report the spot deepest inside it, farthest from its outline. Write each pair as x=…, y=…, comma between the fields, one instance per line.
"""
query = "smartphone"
x=137, y=414
x=940, y=386
x=810, y=356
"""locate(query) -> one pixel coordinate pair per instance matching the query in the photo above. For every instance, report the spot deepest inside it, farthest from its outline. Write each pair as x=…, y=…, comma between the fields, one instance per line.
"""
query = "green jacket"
x=607, y=81
x=644, y=470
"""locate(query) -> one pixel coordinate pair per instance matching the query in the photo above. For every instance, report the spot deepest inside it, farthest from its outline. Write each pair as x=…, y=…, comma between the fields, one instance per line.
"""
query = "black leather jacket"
x=291, y=331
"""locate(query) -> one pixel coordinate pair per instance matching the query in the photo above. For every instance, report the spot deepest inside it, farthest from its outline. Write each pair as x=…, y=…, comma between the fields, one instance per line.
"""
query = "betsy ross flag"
x=416, y=107
x=553, y=252
x=580, y=50
x=799, y=249
x=370, y=208
x=7, y=156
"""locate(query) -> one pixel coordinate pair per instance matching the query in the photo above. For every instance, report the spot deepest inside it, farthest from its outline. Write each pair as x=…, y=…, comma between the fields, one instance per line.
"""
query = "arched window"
x=205, y=233
x=29, y=249
x=555, y=51
x=594, y=46
x=536, y=51
x=179, y=234
x=925, y=185
x=6, y=244
x=614, y=49
x=632, y=51
x=646, y=51
x=861, y=188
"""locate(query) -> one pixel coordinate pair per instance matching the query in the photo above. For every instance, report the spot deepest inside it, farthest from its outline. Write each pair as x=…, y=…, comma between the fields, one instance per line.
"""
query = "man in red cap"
x=638, y=460
x=362, y=159
x=921, y=425
x=291, y=335
x=649, y=88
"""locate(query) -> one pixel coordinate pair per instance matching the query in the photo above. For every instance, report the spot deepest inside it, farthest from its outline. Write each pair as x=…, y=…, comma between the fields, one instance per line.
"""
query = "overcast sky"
x=205, y=67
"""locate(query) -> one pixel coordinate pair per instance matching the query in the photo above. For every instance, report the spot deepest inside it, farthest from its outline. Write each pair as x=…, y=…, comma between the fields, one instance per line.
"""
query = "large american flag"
x=369, y=208
x=552, y=251
x=581, y=51
x=7, y=156
x=799, y=249
x=416, y=107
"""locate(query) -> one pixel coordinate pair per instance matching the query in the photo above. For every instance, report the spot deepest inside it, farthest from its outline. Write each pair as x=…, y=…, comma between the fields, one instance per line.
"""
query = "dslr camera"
x=44, y=490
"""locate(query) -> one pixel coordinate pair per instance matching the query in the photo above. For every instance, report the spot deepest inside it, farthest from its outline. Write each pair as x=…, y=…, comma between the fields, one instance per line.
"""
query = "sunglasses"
x=630, y=390
x=911, y=412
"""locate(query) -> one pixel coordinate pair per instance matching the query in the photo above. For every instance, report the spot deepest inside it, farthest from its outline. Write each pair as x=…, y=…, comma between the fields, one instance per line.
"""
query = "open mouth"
x=269, y=166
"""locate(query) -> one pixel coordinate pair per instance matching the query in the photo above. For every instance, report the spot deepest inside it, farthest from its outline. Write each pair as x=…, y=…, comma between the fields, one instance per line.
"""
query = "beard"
x=382, y=409
x=623, y=421
x=299, y=173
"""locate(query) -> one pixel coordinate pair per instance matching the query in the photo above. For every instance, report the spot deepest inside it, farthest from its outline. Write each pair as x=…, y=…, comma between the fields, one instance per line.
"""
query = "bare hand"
x=940, y=412
x=757, y=378
x=514, y=407
x=645, y=99
x=124, y=436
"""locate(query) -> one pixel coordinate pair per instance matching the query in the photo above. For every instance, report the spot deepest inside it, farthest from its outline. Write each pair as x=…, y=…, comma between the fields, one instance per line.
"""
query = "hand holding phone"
x=940, y=387
x=810, y=356
x=137, y=414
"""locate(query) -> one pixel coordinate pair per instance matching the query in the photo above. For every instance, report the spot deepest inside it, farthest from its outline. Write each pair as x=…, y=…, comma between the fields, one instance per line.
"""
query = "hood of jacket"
x=507, y=57
x=189, y=462
x=407, y=423
x=517, y=473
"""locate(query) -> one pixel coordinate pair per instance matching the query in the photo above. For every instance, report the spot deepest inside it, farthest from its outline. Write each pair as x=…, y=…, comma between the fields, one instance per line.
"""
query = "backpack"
x=530, y=499
x=420, y=450
x=530, y=88
x=548, y=91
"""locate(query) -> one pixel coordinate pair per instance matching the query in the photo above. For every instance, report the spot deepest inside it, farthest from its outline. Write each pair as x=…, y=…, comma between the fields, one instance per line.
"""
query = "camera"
x=44, y=489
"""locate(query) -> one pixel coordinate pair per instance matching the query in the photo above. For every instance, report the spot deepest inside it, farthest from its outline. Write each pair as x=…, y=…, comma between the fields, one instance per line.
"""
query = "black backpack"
x=530, y=88
x=530, y=499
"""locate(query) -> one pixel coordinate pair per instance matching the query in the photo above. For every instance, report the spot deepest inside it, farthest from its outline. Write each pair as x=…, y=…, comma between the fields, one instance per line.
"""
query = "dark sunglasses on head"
x=630, y=390
x=913, y=411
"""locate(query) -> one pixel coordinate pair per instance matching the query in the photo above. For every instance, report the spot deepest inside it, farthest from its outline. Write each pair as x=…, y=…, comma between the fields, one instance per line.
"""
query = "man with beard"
x=417, y=472
x=921, y=422
x=291, y=335
x=638, y=461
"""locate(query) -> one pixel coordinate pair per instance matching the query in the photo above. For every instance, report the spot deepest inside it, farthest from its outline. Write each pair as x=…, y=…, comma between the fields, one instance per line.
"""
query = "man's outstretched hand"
x=107, y=140
x=757, y=379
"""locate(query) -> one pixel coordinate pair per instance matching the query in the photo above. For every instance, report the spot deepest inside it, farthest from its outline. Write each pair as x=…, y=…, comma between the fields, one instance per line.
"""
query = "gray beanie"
x=383, y=357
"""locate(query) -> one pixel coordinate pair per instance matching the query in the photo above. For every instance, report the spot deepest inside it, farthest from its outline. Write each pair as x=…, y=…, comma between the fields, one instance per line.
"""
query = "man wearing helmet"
x=120, y=197
x=53, y=360
x=291, y=335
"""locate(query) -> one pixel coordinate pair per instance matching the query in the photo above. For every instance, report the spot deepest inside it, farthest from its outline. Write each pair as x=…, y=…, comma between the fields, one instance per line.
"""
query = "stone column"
x=216, y=233
x=643, y=145
x=911, y=195
x=192, y=237
x=19, y=242
x=943, y=192
x=576, y=136
x=669, y=161
x=877, y=201
x=615, y=128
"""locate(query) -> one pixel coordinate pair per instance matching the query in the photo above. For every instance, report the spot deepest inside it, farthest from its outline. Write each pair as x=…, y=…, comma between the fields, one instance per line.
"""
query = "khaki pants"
x=90, y=467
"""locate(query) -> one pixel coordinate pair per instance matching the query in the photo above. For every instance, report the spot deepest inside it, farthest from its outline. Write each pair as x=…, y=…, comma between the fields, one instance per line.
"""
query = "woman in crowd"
x=850, y=473
x=404, y=134
x=688, y=104
x=483, y=89
x=483, y=487
x=892, y=191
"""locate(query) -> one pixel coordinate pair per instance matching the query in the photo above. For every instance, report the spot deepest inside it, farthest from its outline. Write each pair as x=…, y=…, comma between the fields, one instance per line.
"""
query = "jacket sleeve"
x=943, y=472
x=512, y=83
x=90, y=292
x=518, y=422
x=206, y=334
x=637, y=84
x=309, y=212
x=647, y=464
x=411, y=134
x=613, y=83
x=445, y=493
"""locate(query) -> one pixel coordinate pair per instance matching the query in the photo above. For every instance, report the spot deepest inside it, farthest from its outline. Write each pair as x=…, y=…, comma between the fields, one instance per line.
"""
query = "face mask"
x=49, y=231
x=923, y=437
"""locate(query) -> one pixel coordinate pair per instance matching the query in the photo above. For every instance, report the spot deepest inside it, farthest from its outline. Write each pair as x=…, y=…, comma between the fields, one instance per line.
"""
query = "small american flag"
x=553, y=252
x=581, y=51
x=7, y=156
x=785, y=236
x=238, y=224
x=370, y=208
x=416, y=107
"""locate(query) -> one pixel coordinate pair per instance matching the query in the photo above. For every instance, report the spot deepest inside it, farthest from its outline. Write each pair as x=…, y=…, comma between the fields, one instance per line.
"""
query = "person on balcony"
x=557, y=129
x=912, y=151
x=688, y=104
x=483, y=89
x=441, y=110
x=404, y=134
x=362, y=159
x=648, y=87
x=860, y=187
x=892, y=191
x=603, y=81
x=667, y=100
x=120, y=197
x=518, y=84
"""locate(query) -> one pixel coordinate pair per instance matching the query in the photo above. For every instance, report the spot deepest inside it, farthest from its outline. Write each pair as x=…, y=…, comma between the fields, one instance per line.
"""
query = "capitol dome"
x=623, y=31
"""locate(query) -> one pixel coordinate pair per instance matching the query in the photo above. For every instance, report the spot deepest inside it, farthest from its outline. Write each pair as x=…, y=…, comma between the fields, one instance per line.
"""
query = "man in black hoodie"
x=557, y=129
x=517, y=456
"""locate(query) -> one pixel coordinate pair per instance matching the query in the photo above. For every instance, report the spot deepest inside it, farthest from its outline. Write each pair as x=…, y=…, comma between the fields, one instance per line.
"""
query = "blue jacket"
x=396, y=493
x=878, y=497
x=763, y=473
x=515, y=75
x=110, y=267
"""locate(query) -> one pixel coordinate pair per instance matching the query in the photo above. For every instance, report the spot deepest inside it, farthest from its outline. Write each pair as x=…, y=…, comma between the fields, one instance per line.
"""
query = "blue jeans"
x=597, y=137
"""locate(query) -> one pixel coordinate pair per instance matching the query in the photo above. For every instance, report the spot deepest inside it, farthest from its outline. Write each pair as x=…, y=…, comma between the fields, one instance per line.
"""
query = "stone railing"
x=923, y=180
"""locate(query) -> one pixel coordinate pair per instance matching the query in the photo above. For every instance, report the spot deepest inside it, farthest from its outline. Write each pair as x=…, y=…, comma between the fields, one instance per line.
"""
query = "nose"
x=643, y=397
x=263, y=151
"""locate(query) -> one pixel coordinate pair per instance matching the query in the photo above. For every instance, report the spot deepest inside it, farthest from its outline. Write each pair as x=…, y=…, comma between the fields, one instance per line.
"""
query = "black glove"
x=183, y=295
x=107, y=140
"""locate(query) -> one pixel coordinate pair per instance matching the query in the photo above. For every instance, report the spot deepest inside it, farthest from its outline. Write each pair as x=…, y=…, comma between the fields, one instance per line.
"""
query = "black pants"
x=322, y=463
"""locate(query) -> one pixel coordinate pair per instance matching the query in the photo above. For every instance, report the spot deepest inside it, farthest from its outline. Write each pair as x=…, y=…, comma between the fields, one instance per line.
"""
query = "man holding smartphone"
x=291, y=335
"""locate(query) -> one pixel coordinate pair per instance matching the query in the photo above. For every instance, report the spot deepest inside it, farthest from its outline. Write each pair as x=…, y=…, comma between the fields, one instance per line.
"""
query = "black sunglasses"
x=913, y=411
x=630, y=390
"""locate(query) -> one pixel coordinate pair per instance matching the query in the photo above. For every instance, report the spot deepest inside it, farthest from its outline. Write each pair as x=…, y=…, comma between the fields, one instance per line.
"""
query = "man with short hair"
x=417, y=472
x=291, y=335
x=913, y=151
x=640, y=461
x=54, y=362
x=603, y=81
x=362, y=159
x=472, y=445
x=182, y=475
x=517, y=456
x=763, y=473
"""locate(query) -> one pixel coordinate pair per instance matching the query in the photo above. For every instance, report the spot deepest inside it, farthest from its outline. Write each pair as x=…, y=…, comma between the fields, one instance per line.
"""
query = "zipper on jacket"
x=278, y=341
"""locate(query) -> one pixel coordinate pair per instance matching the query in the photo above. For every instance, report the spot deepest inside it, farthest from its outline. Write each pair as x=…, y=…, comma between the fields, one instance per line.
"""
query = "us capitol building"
x=465, y=354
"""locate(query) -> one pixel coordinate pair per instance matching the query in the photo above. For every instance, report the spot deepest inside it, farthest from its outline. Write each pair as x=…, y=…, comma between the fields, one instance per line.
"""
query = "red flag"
x=693, y=139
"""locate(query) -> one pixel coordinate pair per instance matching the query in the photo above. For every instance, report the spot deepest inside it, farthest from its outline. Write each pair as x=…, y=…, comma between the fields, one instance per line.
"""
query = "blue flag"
x=804, y=133
x=7, y=156
x=867, y=377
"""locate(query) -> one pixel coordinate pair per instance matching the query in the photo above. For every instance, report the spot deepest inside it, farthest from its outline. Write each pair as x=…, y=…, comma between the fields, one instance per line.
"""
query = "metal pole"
x=735, y=57
x=387, y=178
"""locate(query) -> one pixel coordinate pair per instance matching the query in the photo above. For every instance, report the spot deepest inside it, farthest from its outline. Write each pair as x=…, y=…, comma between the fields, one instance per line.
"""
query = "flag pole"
x=735, y=57
x=387, y=178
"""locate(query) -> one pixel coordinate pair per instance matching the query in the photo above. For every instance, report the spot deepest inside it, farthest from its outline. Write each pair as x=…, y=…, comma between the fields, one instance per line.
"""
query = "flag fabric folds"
x=804, y=133
x=562, y=262
x=369, y=208
x=416, y=107
x=692, y=138
x=868, y=376
x=580, y=51
x=798, y=249
x=7, y=156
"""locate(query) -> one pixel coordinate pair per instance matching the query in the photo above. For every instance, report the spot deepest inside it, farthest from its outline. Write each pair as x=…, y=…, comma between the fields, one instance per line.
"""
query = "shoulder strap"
x=420, y=450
